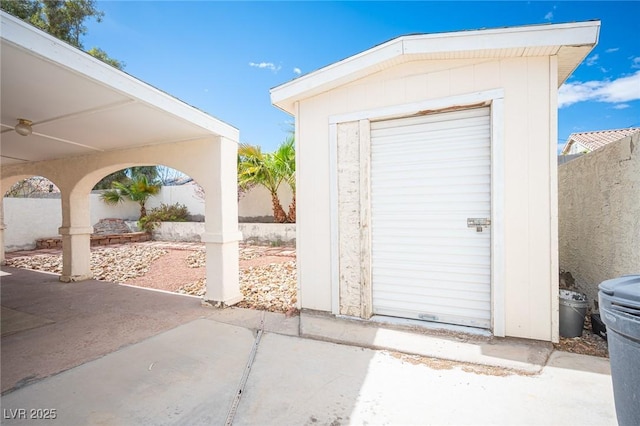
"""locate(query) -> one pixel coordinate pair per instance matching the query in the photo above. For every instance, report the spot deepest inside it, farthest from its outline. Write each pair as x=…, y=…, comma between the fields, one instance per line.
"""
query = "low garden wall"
x=96, y=240
x=178, y=231
x=268, y=232
x=30, y=219
x=272, y=233
x=257, y=232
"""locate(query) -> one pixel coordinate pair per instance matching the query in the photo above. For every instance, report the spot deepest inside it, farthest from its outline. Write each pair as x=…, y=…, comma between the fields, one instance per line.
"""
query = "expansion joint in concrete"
x=245, y=375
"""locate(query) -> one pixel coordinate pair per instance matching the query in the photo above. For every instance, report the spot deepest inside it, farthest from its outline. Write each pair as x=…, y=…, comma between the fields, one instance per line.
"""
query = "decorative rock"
x=109, y=264
x=111, y=226
x=271, y=287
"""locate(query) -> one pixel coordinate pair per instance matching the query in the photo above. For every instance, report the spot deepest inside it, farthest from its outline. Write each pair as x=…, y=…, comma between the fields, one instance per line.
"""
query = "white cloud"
x=613, y=49
x=621, y=106
x=635, y=62
x=623, y=89
x=592, y=60
x=297, y=71
x=265, y=65
x=548, y=16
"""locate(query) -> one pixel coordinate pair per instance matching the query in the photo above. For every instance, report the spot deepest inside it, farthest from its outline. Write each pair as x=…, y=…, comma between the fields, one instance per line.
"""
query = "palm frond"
x=112, y=196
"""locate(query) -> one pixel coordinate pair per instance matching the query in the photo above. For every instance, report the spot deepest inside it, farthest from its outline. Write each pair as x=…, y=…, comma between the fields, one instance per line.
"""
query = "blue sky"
x=223, y=57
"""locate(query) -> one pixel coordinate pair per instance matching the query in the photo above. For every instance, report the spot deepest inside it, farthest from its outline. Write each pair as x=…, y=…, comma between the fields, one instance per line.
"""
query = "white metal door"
x=429, y=174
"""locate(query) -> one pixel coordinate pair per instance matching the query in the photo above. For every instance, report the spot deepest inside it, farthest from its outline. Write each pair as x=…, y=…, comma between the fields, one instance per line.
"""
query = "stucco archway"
x=6, y=183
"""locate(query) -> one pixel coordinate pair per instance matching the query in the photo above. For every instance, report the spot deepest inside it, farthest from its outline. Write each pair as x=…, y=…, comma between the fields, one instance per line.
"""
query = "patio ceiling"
x=80, y=105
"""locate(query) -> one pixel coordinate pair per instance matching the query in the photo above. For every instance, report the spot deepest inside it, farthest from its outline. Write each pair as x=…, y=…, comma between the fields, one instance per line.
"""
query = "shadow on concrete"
x=119, y=355
x=55, y=326
x=102, y=353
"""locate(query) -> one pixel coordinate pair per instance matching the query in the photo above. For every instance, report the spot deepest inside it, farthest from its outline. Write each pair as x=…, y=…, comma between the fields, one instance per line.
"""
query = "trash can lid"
x=625, y=287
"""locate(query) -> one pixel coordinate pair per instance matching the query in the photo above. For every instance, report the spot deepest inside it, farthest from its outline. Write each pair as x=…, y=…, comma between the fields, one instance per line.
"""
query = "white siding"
x=528, y=148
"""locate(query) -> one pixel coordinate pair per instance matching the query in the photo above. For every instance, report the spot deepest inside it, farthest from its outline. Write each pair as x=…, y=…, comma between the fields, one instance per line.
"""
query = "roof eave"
x=582, y=36
x=35, y=41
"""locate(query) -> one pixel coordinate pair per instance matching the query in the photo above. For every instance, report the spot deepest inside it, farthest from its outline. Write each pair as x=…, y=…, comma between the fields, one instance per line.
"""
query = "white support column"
x=76, y=238
x=221, y=235
x=223, y=285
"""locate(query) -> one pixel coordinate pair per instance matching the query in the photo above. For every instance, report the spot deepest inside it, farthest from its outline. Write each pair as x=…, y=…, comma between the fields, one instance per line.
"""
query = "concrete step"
x=522, y=355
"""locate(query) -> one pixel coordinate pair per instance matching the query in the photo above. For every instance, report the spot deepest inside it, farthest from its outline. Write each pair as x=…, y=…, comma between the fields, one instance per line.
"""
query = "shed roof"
x=598, y=139
x=571, y=42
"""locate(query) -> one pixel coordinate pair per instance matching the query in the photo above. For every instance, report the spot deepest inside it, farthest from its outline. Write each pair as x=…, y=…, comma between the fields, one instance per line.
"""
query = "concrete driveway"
x=102, y=354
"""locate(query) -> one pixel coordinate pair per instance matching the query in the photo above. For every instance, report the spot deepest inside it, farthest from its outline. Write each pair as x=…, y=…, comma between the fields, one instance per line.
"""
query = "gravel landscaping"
x=267, y=275
x=119, y=264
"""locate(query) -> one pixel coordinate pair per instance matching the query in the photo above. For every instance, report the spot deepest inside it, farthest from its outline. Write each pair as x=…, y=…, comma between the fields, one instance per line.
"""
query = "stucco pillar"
x=221, y=234
x=76, y=237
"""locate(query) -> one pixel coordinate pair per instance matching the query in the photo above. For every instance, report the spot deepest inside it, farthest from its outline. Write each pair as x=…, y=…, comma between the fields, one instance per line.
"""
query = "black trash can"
x=620, y=310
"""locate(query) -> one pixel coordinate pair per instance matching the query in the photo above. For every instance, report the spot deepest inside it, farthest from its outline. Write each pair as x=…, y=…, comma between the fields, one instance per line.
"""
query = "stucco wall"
x=183, y=194
x=127, y=210
x=178, y=231
x=255, y=205
x=28, y=219
x=259, y=232
x=268, y=232
x=529, y=131
x=599, y=214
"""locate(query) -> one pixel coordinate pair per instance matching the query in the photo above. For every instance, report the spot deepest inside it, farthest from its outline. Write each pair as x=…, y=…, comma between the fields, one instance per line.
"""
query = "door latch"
x=478, y=222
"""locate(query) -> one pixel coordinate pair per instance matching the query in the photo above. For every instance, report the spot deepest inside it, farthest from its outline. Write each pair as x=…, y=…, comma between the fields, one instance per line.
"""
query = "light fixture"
x=23, y=127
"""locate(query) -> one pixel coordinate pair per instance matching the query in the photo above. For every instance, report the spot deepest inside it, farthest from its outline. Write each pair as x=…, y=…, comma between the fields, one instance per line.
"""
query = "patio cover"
x=90, y=119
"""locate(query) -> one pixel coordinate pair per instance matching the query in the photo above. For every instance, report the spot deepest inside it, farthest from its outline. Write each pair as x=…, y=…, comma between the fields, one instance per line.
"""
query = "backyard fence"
x=30, y=219
x=599, y=224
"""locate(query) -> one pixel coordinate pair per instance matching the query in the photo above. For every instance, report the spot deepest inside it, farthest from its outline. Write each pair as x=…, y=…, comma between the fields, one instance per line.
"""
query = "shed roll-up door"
x=429, y=174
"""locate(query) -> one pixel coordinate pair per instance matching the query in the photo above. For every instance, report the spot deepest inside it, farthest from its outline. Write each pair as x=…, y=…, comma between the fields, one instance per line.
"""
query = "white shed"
x=427, y=184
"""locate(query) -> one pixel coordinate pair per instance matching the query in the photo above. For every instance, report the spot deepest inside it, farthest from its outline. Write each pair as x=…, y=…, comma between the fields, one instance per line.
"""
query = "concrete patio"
x=101, y=353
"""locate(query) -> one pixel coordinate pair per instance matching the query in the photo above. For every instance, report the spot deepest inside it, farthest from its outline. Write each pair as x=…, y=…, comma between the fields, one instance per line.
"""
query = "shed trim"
x=333, y=203
x=553, y=204
x=385, y=113
x=498, y=312
x=571, y=42
x=495, y=98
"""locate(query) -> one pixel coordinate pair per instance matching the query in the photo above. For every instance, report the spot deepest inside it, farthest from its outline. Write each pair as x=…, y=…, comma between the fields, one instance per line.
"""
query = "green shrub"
x=165, y=213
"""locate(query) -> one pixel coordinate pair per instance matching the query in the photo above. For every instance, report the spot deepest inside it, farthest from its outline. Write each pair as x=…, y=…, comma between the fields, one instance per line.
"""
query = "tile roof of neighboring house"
x=598, y=139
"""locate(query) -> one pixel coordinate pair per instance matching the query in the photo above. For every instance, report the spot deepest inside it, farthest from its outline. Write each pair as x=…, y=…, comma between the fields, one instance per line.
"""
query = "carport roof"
x=80, y=105
x=570, y=42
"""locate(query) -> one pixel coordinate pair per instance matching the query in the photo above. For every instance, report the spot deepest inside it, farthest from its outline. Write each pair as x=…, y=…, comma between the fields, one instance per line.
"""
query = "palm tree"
x=257, y=168
x=151, y=172
x=285, y=157
x=138, y=189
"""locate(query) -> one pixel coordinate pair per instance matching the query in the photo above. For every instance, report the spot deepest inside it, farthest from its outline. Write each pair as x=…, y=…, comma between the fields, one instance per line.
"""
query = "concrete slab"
x=178, y=363
x=12, y=321
x=274, y=322
x=85, y=320
x=303, y=382
x=518, y=354
x=187, y=375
